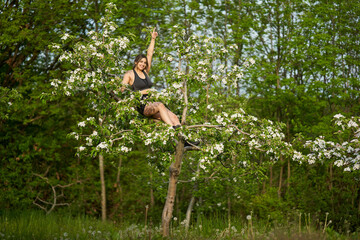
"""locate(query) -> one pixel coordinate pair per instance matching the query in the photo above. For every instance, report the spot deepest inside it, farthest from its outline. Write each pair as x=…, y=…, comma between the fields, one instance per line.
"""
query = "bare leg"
x=157, y=107
x=174, y=119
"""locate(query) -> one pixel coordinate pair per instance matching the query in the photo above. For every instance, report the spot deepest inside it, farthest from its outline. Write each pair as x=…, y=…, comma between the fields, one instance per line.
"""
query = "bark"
x=288, y=174
x=103, y=190
x=177, y=201
x=188, y=213
x=152, y=198
x=118, y=186
x=271, y=176
x=331, y=186
x=229, y=210
x=118, y=189
x=192, y=202
x=264, y=187
x=175, y=167
x=173, y=179
x=358, y=201
x=330, y=177
x=288, y=163
x=280, y=177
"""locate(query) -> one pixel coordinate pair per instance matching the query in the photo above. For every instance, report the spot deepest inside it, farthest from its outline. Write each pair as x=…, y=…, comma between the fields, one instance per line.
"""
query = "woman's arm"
x=150, y=50
x=126, y=80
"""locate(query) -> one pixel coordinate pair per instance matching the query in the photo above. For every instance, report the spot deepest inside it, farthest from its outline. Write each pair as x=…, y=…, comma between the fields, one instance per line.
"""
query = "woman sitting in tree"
x=139, y=80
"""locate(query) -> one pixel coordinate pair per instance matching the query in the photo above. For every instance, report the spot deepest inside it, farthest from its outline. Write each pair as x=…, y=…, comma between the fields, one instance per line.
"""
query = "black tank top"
x=140, y=83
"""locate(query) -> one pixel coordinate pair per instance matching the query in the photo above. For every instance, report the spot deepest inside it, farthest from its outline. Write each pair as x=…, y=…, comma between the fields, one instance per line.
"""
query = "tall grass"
x=36, y=225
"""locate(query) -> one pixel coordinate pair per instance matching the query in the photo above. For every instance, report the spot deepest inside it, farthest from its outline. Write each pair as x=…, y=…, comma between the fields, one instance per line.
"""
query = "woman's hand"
x=154, y=34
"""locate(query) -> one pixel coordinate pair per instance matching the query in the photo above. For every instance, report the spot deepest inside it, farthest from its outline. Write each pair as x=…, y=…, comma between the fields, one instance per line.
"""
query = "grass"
x=36, y=225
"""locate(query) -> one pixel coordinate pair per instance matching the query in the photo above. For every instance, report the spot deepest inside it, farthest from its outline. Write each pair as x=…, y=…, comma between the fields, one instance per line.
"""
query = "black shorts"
x=141, y=106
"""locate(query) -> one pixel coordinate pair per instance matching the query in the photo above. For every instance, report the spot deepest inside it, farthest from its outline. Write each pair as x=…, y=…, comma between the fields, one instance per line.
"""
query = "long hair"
x=139, y=57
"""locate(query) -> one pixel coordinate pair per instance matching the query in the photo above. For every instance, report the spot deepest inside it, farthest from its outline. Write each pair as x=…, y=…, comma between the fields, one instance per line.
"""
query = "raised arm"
x=150, y=50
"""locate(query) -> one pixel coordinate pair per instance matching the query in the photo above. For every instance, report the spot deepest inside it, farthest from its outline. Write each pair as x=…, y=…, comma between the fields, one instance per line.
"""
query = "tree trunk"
x=152, y=198
x=229, y=210
x=118, y=173
x=271, y=176
x=118, y=189
x=330, y=177
x=188, y=213
x=280, y=177
x=170, y=199
x=288, y=174
x=331, y=186
x=103, y=189
x=192, y=201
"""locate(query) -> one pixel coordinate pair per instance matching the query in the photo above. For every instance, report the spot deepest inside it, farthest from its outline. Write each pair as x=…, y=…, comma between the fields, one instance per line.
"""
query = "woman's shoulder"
x=129, y=77
x=130, y=72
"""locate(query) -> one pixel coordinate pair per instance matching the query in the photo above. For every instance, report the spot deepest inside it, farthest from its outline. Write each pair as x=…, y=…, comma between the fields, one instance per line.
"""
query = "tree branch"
x=55, y=195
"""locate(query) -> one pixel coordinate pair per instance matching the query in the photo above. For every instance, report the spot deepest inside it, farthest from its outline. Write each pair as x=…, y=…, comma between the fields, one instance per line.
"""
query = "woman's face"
x=141, y=65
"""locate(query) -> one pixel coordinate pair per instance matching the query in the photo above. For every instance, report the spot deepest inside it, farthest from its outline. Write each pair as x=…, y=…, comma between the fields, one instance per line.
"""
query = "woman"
x=139, y=79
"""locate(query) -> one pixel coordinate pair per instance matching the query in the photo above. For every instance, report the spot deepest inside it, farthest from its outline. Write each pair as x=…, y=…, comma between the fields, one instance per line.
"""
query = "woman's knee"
x=160, y=106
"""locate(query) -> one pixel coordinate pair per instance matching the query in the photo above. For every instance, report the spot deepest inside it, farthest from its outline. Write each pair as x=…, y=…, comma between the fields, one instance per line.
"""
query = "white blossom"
x=239, y=75
x=351, y=123
x=125, y=149
x=337, y=116
x=65, y=36
x=148, y=141
x=112, y=28
x=56, y=46
x=311, y=159
x=88, y=141
x=339, y=163
x=81, y=124
x=219, y=147
x=297, y=155
x=62, y=57
x=102, y=145
x=219, y=119
x=177, y=85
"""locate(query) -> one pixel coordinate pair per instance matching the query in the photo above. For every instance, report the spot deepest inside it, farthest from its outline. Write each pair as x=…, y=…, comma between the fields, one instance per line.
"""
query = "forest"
x=269, y=88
